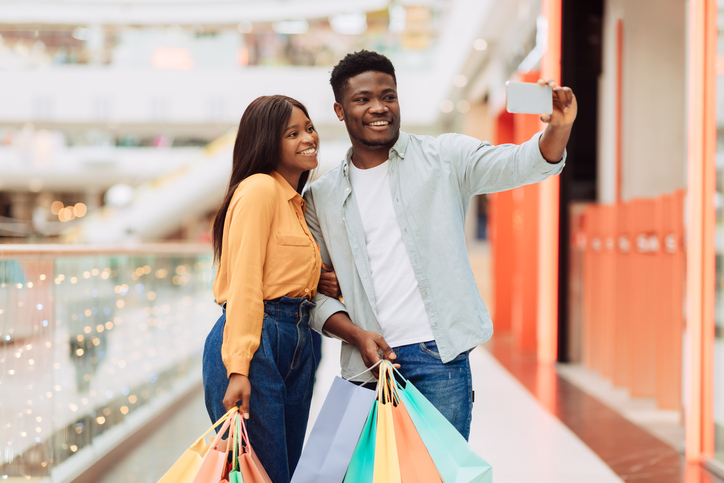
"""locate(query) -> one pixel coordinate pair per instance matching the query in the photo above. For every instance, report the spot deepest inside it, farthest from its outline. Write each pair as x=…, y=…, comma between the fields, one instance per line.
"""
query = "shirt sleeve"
x=483, y=168
x=250, y=217
x=325, y=306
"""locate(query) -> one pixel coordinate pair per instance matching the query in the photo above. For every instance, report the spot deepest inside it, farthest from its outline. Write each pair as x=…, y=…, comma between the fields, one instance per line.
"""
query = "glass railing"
x=88, y=339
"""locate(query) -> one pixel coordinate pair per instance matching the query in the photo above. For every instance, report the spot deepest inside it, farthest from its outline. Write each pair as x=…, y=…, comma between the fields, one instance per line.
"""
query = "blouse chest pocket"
x=293, y=240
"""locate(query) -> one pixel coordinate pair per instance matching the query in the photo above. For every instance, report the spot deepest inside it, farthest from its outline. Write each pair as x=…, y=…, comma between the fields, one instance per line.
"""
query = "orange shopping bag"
x=185, y=469
x=415, y=462
x=251, y=469
x=215, y=467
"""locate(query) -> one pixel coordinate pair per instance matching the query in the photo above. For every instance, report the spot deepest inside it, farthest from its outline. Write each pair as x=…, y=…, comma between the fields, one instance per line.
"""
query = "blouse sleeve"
x=249, y=217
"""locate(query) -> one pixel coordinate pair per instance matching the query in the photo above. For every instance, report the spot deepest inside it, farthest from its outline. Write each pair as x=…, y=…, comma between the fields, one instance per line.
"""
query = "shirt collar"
x=289, y=192
x=400, y=147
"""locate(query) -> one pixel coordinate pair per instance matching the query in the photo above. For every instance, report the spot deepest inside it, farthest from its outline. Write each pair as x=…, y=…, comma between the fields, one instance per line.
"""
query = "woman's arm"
x=249, y=217
x=328, y=283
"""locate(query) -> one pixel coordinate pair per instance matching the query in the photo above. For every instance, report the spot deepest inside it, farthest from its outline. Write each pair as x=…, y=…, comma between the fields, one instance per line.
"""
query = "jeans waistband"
x=290, y=304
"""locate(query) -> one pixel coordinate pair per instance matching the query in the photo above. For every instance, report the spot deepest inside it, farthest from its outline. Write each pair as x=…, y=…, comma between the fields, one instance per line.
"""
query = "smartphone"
x=528, y=98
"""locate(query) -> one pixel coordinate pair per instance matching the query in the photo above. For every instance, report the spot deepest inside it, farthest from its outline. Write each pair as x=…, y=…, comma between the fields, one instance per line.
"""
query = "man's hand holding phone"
x=556, y=105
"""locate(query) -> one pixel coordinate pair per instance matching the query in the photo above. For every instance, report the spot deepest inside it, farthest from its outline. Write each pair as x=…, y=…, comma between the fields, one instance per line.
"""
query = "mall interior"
x=606, y=283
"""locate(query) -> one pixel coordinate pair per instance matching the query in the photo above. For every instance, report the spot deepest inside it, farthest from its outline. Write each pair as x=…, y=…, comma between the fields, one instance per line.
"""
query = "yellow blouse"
x=267, y=252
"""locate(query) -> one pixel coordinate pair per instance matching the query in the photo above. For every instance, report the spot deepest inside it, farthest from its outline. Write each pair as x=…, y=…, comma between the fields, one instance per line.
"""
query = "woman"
x=259, y=352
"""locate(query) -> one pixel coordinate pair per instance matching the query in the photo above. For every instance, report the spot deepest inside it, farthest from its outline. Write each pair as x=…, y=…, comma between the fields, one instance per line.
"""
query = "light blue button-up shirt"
x=432, y=181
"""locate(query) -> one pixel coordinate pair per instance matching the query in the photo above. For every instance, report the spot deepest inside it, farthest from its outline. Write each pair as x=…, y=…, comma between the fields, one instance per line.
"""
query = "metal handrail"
x=16, y=251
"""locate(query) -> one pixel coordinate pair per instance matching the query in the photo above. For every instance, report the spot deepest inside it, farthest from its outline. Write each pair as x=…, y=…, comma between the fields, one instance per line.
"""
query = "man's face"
x=370, y=109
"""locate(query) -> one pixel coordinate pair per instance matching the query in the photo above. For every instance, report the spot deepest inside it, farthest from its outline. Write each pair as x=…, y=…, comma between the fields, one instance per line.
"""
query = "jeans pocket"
x=430, y=348
x=270, y=332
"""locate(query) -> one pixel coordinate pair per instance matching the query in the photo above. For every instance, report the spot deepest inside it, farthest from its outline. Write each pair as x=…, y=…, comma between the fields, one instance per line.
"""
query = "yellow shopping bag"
x=387, y=465
x=185, y=469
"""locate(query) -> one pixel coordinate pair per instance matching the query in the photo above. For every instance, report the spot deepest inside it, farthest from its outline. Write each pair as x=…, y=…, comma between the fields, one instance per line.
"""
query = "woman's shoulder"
x=258, y=184
x=256, y=188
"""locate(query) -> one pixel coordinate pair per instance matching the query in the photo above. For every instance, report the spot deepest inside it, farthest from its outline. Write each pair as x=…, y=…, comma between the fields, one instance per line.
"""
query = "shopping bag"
x=184, y=470
x=334, y=437
x=214, y=467
x=250, y=467
x=454, y=459
x=235, y=473
x=361, y=466
x=415, y=461
x=386, y=463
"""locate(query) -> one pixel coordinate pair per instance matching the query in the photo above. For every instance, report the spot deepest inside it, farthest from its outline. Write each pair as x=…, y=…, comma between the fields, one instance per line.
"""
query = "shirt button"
x=346, y=190
x=306, y=290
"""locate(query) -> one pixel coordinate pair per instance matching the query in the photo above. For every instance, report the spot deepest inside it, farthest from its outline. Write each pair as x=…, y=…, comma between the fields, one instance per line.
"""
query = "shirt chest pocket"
x=292, y=240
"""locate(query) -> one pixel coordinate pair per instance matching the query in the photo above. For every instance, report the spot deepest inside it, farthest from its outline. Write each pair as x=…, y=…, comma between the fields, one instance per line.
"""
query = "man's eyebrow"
x=369, y=93
x=362, y=93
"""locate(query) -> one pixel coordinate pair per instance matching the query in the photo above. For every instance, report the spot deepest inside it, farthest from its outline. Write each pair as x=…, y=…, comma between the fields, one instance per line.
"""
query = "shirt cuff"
x=559, y=164
x=324, y=309
x=237, y=365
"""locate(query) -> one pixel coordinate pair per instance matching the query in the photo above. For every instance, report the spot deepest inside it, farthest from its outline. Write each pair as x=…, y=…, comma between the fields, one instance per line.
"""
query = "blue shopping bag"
x=335, y=434
x=454, y=458
x=362, y=466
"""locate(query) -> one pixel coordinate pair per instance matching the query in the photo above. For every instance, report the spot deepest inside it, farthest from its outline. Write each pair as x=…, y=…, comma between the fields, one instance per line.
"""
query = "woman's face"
x=299, y=146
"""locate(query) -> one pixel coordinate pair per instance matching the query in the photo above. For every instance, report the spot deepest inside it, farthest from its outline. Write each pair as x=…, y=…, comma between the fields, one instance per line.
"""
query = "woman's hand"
x=239, y=390
x=328, y=283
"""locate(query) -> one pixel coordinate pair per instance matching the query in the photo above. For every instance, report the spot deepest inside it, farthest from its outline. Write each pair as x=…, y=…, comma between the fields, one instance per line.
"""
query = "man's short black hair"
x=355, y=64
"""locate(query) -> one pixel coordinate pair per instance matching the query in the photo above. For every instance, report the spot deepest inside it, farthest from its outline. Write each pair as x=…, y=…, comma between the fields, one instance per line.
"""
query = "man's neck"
x=365, y=157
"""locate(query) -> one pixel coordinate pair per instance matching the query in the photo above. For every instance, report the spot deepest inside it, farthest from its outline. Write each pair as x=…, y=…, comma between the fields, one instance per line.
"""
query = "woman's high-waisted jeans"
x=281, y=376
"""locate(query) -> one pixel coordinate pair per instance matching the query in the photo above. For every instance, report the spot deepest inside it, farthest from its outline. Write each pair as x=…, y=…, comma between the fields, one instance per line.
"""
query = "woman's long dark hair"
x=256, y=150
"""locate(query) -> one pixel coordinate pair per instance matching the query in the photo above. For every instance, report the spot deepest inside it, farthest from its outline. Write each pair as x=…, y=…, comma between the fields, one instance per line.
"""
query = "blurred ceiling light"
x=119, y=195
x=460, y=80
x=245, y=27
x=349, y=23
x=463, y=106
x=291, y=27
x=398, y=18
x=447, y=106
x=173, y=58
x=480, y=44
x=56, y=207
x=82, y=33
x=67, y=213
x=35, y=185
x=80, y=209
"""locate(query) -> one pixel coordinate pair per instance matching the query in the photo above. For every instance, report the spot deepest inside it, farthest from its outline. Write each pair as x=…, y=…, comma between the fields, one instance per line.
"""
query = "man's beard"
x=376, y=144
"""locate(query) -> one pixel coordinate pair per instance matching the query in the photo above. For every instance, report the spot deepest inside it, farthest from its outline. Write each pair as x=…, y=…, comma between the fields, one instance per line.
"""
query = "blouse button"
x=306, y=290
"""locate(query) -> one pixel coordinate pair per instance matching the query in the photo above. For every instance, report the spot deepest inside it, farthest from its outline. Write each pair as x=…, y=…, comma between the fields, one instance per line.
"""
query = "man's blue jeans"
x=282, y=378
x=448, y=387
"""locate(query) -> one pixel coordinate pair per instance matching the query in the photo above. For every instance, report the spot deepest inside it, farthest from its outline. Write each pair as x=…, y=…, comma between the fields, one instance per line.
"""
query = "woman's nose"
x=310, y=138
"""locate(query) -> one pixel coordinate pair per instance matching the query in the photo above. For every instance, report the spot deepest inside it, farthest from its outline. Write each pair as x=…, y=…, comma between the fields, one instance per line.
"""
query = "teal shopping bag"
x=454, y=458
x=362, y=466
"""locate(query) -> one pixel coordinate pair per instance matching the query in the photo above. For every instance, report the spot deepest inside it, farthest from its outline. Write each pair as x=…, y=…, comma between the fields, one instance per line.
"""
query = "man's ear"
x=339, y=110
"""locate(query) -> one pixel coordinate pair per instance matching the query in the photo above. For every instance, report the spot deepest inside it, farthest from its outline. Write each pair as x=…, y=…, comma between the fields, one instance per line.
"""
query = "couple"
x=389, y=220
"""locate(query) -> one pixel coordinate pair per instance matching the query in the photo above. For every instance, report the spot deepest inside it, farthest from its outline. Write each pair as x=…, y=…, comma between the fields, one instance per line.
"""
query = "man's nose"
x=378, y=106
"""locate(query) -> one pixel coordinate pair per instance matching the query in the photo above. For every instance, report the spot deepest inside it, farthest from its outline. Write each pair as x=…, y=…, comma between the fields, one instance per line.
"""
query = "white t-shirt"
x=400, y=309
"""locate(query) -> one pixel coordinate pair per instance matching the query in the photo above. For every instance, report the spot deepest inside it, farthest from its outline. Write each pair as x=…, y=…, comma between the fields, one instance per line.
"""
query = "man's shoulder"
x=327, y=183
x=445, y=147
x=443, y=140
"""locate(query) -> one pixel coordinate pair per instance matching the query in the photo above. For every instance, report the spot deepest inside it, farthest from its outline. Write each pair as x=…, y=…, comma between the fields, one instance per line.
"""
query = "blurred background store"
x=117, y=119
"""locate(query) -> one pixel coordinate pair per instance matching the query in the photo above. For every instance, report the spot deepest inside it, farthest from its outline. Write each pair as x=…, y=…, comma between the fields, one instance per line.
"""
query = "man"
x=390, y=219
